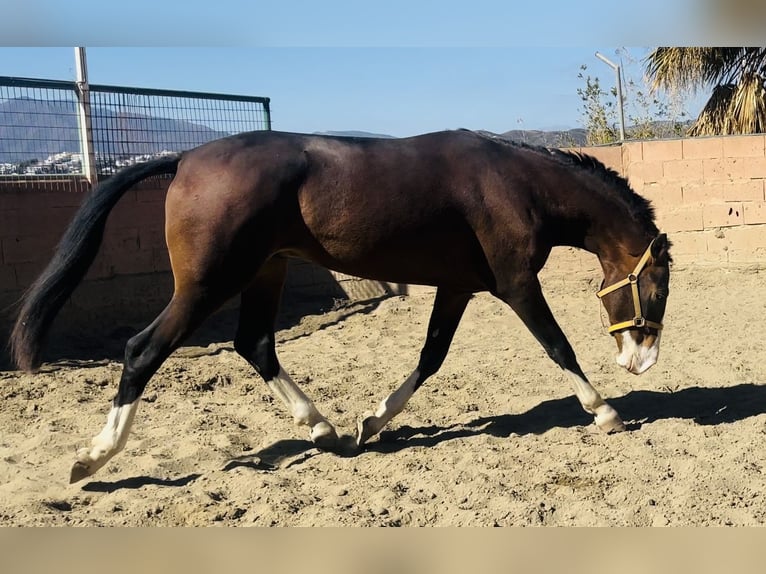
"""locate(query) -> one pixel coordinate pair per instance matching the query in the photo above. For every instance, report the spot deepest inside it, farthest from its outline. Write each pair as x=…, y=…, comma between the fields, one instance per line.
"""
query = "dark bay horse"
x=463, y=211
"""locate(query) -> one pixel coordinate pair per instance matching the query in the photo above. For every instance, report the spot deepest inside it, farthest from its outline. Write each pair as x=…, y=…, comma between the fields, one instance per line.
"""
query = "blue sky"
x=396, y=91
x=355, y=23
x=398, y=67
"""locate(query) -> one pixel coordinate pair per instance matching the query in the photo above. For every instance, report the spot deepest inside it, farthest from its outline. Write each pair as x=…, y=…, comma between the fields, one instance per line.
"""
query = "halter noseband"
x=639, y=320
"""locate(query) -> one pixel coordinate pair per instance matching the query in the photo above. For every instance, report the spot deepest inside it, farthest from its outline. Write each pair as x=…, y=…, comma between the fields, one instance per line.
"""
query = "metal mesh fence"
x=40, y=136
x=131, y=125
x=38, y=129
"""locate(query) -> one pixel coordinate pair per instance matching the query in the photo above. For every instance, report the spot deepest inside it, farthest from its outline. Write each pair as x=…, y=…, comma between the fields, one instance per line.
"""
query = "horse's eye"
x=660, y=295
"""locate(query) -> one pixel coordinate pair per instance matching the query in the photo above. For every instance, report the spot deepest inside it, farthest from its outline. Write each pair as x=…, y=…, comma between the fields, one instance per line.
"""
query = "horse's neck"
x=618, y=249
x=591, y=212
x=598, y=231
x=610, y=233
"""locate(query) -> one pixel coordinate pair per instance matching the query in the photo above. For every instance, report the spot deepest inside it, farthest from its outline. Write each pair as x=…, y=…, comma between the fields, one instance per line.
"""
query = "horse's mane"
x=618, y=187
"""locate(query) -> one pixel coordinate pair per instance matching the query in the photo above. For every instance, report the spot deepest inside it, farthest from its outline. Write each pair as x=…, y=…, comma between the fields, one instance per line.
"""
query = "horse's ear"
x=660, y=247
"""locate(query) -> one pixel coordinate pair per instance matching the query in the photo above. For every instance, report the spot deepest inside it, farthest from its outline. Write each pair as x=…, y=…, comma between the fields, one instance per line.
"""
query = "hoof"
x=79, y=471
x=608, y=420
x=365, y=429
x=323, y=435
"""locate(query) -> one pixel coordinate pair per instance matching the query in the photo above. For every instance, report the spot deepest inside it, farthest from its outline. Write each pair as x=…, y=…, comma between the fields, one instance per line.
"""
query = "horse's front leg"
x=526, y=299
x=445, y=317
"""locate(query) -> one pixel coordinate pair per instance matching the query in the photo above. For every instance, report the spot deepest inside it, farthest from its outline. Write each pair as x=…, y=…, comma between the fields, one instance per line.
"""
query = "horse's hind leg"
x=144, y=354
x=445, y=317
x=255, y=342
x=527, y=300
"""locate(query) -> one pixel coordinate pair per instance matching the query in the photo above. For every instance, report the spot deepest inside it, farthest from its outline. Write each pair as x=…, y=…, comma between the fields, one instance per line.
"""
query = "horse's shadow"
x=281, y=454
x=705, y=406
x=136, y=482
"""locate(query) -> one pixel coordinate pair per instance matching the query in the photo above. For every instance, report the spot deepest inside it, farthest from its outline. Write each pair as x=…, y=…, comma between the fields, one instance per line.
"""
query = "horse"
x=463, y=211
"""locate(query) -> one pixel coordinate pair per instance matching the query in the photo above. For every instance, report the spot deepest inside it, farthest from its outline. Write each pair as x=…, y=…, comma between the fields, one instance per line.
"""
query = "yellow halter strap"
x=639, y=320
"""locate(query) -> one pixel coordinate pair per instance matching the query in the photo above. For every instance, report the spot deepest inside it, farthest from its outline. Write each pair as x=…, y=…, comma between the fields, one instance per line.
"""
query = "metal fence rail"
x=40, y=137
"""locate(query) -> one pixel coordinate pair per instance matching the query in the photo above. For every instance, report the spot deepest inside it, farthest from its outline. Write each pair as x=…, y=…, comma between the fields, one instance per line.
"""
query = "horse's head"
x=636, y=304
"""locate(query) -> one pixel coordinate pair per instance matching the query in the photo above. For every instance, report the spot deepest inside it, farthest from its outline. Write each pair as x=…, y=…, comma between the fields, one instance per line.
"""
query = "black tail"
x=74, y=255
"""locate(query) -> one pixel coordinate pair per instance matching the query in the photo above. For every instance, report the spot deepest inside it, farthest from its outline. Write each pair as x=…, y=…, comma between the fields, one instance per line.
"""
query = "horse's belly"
x=423, y=260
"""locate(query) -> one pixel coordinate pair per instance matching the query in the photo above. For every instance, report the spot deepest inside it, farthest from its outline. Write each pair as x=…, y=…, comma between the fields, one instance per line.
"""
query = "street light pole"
x=616, y=68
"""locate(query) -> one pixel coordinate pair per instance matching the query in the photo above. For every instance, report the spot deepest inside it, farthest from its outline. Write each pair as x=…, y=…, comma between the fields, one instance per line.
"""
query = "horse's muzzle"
x=637, y=358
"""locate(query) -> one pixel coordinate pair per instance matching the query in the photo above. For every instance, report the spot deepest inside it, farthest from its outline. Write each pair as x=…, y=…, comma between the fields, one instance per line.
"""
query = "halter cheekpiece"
x=638, y=321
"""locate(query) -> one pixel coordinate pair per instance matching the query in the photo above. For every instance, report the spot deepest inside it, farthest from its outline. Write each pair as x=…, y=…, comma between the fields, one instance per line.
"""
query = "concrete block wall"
x=130, y=278
x=33, y=220
x=708, y=193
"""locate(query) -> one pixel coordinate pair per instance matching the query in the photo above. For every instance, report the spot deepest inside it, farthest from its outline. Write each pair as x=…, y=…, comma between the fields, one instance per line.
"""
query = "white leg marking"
x=605, y=416
x=107, y=443
x=638, y=358
x=300, y=406
x=389, y=407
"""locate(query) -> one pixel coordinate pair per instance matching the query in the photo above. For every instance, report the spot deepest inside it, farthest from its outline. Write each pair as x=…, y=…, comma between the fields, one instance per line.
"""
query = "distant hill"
x=569, y=138
x=354, y=134
x=578, y=137
x=33, y=129
x=575, y=137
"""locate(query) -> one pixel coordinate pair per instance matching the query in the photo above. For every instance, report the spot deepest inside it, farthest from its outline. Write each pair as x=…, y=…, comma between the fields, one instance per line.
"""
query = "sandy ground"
x=495, y=438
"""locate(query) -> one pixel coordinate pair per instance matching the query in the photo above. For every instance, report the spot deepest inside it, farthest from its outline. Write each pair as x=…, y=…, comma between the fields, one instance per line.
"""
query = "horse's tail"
x=74, y=255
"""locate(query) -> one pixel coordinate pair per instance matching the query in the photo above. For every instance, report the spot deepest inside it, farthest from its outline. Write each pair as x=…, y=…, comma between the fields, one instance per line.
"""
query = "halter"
x=639, y=320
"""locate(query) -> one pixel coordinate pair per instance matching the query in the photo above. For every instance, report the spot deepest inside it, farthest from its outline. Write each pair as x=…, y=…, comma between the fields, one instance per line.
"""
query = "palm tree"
x=737, y=104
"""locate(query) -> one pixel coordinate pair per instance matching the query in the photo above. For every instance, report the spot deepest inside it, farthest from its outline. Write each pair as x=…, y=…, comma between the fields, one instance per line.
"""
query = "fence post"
x=267, y=109
x=83, y=113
